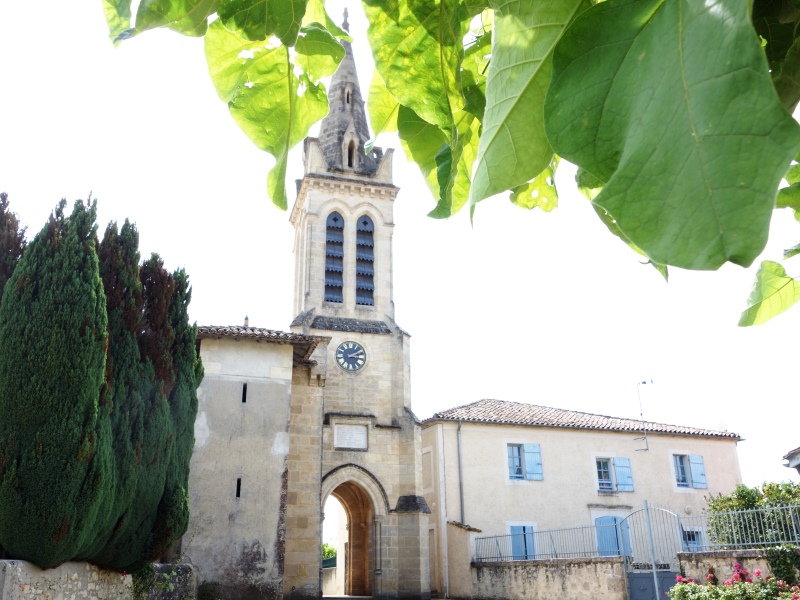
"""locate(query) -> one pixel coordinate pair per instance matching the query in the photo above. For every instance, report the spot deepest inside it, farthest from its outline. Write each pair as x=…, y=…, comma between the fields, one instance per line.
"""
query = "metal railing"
x=754, y=528
x=573, y=542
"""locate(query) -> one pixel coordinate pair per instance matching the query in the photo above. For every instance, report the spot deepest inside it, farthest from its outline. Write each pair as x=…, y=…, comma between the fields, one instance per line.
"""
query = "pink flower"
x=757, y=572
x=22, y=587
x=795, y=597
x=737, y=577
x=795, y=588
x=748, y=580
x=679, y=578
x=737, y=566
x=728, y=582
x=710, y=577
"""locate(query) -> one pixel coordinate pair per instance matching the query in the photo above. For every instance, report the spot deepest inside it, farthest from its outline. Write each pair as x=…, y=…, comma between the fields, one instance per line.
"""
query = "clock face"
x=351, y=356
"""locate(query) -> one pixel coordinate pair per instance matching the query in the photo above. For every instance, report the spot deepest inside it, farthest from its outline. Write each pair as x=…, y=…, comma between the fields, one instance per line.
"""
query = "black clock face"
x=351, y=356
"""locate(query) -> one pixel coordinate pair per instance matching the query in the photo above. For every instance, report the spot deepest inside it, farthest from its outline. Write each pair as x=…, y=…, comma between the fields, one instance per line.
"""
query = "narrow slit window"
x=244, y=393
x=238, y=487
x=347, y=96
x=351, y=154
x=334, y=258
x=365, y=262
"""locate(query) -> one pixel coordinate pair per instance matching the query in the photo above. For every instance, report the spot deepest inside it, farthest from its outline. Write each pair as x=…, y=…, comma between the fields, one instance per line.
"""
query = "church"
x=288, y=419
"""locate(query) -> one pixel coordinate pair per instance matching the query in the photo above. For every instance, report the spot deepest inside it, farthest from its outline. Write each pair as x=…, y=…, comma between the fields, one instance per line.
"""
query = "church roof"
x=503, y=412
x=304, y=345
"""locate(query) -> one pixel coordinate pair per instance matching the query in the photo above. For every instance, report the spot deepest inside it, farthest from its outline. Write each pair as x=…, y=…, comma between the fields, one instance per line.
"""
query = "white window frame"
x=609, y=487
x=701, y=538
x=614, y=489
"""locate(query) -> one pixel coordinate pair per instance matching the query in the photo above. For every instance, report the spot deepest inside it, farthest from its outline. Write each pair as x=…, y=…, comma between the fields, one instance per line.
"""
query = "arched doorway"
x=357, y=558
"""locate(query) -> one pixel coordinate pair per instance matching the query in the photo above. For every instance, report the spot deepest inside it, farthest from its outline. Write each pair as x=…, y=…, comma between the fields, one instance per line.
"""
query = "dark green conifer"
x=56, y=480
x=12, y=241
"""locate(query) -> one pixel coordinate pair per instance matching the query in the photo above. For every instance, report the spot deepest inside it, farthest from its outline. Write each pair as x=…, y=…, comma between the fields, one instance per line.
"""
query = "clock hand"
x=355, y=354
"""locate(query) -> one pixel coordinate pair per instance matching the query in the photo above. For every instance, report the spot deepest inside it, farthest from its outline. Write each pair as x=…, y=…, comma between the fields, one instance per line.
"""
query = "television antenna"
x=641, y=415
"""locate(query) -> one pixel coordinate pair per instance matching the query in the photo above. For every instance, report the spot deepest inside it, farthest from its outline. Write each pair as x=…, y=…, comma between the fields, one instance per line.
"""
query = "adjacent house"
x=792, y=459
x=514, y=468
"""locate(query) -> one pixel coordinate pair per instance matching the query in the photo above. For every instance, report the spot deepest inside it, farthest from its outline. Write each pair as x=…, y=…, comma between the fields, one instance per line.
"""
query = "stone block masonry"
x=21, y=580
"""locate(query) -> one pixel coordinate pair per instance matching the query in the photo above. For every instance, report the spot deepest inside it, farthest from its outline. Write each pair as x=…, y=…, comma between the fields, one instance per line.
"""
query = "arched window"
x=347, y=97
x=365, y=262
x=334, y=257
x=351, y=154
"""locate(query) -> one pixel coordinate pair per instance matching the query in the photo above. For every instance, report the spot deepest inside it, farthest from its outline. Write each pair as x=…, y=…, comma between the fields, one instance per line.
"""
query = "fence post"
x=652, y=550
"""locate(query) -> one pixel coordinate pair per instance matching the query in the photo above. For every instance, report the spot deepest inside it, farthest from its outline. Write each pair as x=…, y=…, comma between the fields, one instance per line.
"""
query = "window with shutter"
x=365, y=262
x=698, y=471
x=522, y=542
x=334, y=258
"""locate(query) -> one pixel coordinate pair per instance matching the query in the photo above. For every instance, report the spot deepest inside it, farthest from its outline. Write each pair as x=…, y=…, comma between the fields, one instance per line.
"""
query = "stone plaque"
x=350, y=436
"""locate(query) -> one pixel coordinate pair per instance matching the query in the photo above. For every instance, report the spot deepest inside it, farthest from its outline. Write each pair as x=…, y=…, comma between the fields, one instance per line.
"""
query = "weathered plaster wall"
x=21, y=580
x=240, y=447
x=697, y=564
x=181, y=577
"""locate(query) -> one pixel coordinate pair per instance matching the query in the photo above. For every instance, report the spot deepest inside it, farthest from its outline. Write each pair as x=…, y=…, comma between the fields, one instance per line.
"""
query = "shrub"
x=739, y=587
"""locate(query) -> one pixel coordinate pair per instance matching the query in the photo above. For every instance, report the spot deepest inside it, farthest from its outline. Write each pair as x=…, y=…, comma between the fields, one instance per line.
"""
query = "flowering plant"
x=739, y=587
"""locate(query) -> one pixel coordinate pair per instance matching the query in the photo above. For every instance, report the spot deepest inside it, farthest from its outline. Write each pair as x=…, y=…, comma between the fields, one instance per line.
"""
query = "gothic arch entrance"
x=357, y=559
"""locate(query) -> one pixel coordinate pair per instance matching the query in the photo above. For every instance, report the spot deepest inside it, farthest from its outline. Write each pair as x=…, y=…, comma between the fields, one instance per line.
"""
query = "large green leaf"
x=258, y=19
x=189, y=17
x=787, y=79
x=540, y=192
x=513, y=147
x=118, y=18
x=417, y=45
x=382, y=107
x=454, y=166
x=318, y=52
x=671, y=103
x=612, y=226
x=421, y=142
x=315, y=12
x=272, y=104
x=773, y=292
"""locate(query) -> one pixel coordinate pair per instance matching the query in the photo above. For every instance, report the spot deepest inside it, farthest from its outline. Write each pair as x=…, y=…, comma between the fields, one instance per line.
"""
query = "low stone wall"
x=598, y=578
x=21, y=580
x=181, y=578
x=697, y=564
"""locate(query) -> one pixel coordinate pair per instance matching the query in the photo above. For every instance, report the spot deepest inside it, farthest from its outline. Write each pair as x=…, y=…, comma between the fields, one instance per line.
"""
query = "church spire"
x=344, y=131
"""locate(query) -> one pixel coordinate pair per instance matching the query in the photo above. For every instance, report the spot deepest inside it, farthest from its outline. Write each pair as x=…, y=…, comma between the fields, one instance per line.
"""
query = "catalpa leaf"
x=773, y=293
x=540, y=192
x=671, y=103
x=418, y=48
x=316, y=13
x=789, y=197
x=118, y=18
x=318, y=52
x=513, y=147
x=189, y=17
x=588, y=184
x=787, y=80
x=790, y=252
x=272, y=104
x=612, y=226
x=421, y=142
x=382, y=107
x=454, y=166
x=259, y=19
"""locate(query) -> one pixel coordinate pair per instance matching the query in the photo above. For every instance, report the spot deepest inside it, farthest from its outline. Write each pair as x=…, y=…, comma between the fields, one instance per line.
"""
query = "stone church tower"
x=360, y=442
x=287, y=419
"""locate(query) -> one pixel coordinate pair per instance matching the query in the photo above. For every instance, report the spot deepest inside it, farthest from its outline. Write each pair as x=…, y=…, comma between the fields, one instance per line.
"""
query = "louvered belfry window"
x=334, y=257
x=365, y=262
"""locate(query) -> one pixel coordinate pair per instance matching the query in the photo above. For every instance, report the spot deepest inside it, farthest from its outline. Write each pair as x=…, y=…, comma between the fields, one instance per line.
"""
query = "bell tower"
x=361, y=443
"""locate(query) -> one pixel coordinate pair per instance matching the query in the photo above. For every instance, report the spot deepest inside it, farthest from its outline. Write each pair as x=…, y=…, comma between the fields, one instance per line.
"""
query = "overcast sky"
x=548, y=309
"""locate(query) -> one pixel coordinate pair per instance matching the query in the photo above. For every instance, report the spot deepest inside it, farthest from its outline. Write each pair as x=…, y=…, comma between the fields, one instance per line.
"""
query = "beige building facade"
x=505, y=467
x=288, y=419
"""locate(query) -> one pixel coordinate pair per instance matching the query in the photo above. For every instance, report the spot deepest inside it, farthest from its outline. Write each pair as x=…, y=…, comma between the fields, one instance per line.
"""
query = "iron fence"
x=754, y=528
x=574, y=542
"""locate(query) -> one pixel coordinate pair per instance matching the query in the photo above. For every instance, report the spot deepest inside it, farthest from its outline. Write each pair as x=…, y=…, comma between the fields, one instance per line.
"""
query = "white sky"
x=548, y=309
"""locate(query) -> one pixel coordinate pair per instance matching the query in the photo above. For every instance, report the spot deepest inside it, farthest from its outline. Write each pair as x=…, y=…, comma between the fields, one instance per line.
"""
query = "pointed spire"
x=345, y=24
x=344, y=131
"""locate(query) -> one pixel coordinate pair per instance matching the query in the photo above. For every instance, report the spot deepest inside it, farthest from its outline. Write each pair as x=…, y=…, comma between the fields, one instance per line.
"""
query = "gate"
x=651, y=539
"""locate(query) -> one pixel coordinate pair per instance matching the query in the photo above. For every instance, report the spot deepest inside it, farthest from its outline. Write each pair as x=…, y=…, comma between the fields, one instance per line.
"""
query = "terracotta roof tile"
x=517, y=413
x=238, y=331
x=792, y=453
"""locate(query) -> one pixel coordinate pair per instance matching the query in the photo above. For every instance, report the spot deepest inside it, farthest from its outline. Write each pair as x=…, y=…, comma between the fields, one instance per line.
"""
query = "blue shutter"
x=623, y=474
x=533, y=462
x=698, y=471
x=609, y=530
x=522, y=542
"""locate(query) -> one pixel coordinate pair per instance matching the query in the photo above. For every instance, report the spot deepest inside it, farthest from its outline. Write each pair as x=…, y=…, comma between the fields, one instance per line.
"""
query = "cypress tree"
x=56, y=479
x=12, y=242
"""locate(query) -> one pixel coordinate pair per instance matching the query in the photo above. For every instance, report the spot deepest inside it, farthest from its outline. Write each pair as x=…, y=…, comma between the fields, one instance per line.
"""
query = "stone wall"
x=21, y=580
x=173, y=582
x=697, y=564
x=599, y=578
